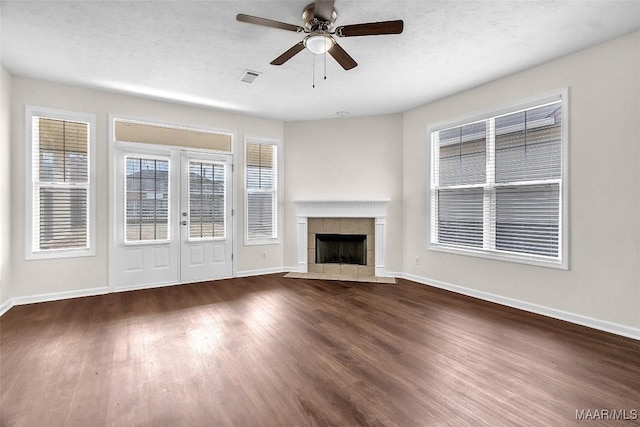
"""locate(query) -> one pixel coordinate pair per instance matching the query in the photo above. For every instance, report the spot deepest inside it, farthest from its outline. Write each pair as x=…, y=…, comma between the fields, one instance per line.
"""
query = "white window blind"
x=147, y=199
x=60, y=184
x=497, y=185
x=207, y=219
x=261, y=169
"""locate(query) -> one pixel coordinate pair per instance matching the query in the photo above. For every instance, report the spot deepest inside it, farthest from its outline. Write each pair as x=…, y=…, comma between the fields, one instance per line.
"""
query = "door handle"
x=184, y=222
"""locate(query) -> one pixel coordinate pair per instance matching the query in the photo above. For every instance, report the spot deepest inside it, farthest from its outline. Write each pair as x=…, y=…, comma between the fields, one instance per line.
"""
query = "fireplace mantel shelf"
x=342, y=208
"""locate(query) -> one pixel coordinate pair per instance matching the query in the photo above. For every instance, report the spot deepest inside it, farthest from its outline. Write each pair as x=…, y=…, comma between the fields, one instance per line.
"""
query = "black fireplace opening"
x=341, y=249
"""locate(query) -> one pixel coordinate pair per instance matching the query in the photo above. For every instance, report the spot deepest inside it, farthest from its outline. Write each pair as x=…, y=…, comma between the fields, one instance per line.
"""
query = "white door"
x=155, y=190
x=206, y=248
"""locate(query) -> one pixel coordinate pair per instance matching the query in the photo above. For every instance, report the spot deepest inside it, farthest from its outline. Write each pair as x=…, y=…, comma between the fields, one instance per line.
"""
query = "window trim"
x=31, y=252
x=278, y=190
x=563, y=236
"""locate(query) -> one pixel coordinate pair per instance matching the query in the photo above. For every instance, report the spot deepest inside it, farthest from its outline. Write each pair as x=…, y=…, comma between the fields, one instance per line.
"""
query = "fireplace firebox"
x=341, y=249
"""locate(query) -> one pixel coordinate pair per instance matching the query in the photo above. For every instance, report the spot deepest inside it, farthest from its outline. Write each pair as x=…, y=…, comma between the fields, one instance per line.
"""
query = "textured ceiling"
x=195, y=51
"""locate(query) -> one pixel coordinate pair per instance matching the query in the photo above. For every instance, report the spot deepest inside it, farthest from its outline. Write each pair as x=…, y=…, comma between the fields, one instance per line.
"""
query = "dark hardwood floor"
x=274, y=351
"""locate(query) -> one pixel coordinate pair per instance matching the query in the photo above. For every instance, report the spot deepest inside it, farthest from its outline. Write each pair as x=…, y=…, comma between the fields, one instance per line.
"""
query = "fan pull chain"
x=324, y=57
x=313, y=84
x=325, y=64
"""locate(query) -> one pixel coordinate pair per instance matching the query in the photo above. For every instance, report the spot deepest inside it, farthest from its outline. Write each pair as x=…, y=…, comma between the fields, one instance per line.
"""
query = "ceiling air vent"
x=249, y=76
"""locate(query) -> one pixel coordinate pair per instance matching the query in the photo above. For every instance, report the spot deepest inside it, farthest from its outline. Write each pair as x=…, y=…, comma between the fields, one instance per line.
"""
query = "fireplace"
x=350, y=218
x=340, y=242
x=341, y=249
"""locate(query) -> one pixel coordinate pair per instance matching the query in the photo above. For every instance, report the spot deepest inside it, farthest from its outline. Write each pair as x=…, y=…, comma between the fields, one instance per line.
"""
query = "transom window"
x=497, y=185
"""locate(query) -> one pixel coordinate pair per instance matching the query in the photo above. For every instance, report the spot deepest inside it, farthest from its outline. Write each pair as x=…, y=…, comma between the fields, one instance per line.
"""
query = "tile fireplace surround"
x=346, y=211
x=357, y=226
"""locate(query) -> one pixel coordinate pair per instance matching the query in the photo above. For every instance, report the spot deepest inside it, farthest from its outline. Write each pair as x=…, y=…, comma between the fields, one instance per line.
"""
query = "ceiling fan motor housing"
x=313, y=24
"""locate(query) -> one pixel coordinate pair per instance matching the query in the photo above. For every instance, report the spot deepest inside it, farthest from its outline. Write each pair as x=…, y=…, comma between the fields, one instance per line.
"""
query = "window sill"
x=262, y=242
x=53, y=254
x=502, y=256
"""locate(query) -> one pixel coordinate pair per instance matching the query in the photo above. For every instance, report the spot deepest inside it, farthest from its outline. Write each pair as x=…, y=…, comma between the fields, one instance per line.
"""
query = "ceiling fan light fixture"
x=319, y=43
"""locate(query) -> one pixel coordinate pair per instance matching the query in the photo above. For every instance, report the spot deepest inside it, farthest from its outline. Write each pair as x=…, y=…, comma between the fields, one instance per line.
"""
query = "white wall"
x=41, y=277
x=356, y=158
x=603, y=280
x=5, y=189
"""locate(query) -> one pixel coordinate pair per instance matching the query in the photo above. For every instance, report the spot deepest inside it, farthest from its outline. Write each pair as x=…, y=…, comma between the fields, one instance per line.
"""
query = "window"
x=147, y=199
x=207, y=219
x=261, y=169
x=60, y=205
x=497, y=185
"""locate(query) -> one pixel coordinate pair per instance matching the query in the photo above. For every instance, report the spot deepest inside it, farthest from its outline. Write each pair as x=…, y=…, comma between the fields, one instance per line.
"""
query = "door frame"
x=113, y=148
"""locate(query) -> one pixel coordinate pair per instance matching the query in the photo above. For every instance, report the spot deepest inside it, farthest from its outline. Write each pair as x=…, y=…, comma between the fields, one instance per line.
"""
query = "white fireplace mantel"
x=376, y=209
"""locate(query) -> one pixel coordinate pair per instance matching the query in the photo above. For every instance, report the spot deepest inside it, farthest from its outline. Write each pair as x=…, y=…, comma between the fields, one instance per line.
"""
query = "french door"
x=172, y=216
x=205, y=217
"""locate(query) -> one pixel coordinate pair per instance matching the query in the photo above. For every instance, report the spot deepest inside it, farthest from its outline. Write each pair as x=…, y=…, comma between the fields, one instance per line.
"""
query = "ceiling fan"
x=318, y=20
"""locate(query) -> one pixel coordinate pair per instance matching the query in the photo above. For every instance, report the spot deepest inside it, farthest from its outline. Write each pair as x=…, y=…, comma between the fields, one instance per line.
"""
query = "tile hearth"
x=342, y=277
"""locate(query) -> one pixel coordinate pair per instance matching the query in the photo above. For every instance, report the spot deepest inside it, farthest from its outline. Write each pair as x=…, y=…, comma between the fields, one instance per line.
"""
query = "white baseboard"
x=603, y=325
x=392, y=274
x=31, y=299
x=6, y=306
x=259, y=272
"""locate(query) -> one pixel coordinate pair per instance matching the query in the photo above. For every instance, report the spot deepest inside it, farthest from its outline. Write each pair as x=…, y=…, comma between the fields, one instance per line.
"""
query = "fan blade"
x=297, y=48
x=342, y=57
x=268, y=23
x=370, y=29
x=323, y=9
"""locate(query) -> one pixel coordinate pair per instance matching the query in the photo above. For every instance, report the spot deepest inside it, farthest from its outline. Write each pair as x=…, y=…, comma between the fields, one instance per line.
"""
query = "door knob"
x=184, y=222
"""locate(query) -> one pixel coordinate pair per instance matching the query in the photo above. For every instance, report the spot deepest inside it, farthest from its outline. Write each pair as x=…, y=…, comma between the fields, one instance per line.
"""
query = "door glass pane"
x=206, y=200
x=147, y=199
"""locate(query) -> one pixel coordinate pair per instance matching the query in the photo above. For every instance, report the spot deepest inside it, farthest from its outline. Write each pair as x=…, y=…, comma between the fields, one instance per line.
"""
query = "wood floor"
x=274, y=351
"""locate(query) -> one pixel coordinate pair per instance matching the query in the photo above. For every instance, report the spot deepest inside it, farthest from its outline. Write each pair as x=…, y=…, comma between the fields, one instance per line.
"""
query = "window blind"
x=460, y=217
x=261, y=191
x=60, y=174
x=496, y=184
x=207, y=203
x=147, y=199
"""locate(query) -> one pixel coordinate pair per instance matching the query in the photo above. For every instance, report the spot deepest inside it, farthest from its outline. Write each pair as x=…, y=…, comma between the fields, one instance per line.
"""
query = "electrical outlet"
x=417, y=260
